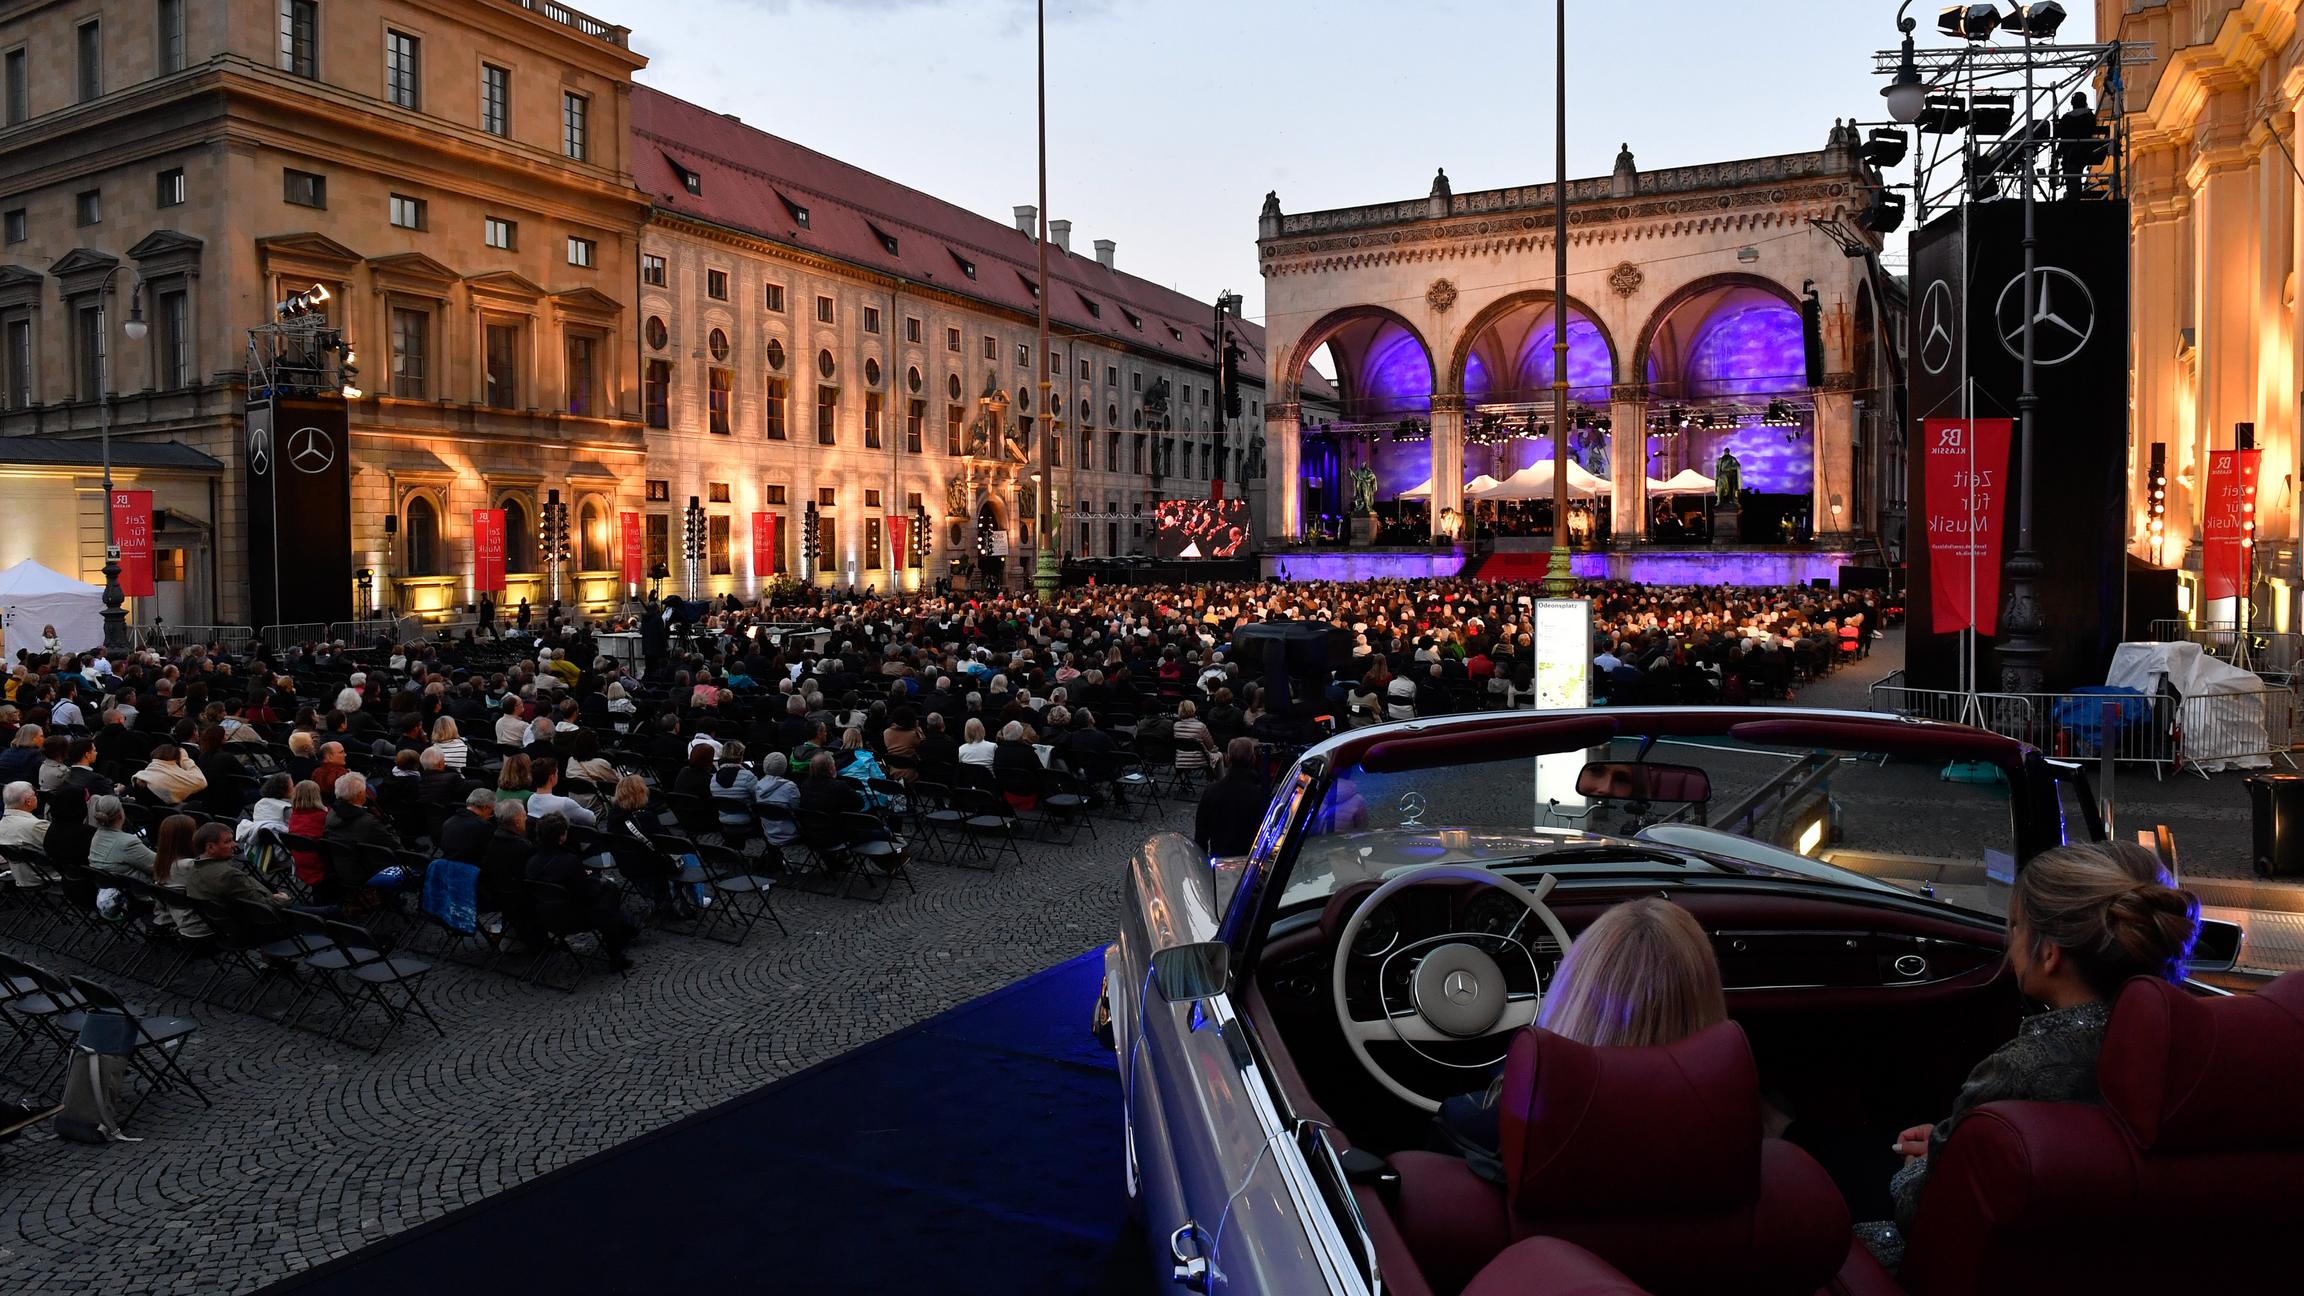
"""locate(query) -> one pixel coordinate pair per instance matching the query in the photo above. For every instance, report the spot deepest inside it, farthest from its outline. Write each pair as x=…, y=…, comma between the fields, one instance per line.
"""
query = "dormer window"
x=967, y=267
x=887, y=240
x=1029, y=286
x=799, y=213
x=689, y=180
x=1094, y=311
x=1135, y=321
x=1175, y=332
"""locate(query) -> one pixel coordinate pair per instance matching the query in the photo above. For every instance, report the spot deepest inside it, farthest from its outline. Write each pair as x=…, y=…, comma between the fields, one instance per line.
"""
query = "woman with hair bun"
x=2082, y=921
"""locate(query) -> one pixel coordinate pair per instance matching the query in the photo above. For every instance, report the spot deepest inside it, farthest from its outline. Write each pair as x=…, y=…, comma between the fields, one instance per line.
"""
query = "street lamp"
x=1907, y=97
x=115, y=611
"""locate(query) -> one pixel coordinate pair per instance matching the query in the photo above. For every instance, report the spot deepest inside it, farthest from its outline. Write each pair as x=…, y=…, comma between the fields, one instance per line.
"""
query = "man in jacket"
x=23, y=828
x=171, y=776
x=212, y=873
x=465, y=837
x=350, y=826
x=1233, y=805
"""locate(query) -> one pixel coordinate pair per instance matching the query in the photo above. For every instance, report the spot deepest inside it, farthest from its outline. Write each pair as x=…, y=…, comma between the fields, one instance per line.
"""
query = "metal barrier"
x=2005, y=713
x=164, y=636
x=2217, y=731
x=2204, y=733
x=280, y=636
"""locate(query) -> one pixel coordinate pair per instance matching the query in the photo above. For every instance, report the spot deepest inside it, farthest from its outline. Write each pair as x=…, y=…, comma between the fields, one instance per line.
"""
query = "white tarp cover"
x=1687, y=481
x=2218, y=734
x=33, y=597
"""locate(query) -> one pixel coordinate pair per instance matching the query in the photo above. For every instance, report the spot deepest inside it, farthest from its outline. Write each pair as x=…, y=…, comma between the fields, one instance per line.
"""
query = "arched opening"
x=1505, y=367
x=519, y=535
x=990, y=542
x=1364, y=379
x=420, y=538
x=592, y=535
x=1728, y=396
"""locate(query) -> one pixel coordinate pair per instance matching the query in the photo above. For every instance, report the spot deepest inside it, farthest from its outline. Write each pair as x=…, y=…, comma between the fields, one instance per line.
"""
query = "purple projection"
x=1395, y=375
x=1771, y=460
x=1746, y=350
x=1591, y=370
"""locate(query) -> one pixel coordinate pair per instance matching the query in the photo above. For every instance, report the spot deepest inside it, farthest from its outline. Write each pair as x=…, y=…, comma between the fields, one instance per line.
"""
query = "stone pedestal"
x=1363, y=530
x=1727, y=526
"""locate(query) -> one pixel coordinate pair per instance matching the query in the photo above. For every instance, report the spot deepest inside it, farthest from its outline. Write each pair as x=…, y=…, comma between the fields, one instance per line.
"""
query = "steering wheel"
x=1457, y=991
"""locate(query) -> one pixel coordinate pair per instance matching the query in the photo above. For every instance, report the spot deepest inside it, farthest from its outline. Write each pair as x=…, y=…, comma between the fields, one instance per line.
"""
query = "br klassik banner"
x=763, y=546
x=629, y=526
x=2230, y=506
x=488, y=551
x=1967, y=470
x=896, y=529
x=132, y=530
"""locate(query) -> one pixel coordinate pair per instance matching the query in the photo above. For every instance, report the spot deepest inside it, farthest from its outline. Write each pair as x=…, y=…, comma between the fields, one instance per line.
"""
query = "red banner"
x=132, y=531
x=629, y=524
x=1215, y=488
x=488, y=551
x=1966, y=477
x=763, y=547
x=896, y=555
x=2228, y=524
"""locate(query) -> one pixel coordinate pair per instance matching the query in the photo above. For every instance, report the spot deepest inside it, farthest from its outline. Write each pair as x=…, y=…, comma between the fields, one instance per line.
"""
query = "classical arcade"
x=1698, y=447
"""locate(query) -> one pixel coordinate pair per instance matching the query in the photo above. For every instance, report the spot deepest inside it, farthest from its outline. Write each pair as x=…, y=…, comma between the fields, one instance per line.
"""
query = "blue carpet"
x=977, y=1152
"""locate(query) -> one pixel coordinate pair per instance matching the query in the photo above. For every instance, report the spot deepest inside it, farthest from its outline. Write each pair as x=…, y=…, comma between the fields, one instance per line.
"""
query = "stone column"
x=1628, y=464
x=1834, y=462
x=2276, y=398
x=1283, y=473
x=1447, y=447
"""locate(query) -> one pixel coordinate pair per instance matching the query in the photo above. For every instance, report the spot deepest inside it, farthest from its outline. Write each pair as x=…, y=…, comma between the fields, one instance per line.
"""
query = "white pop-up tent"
x=32, y=597
x=1534, y=482
x=1687, y=481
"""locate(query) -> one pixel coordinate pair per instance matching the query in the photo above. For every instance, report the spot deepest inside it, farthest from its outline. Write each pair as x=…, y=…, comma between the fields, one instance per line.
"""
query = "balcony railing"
x=579, y=20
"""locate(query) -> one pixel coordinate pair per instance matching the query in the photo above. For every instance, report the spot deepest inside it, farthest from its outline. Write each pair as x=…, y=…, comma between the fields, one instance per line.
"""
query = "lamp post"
x=115, y=613
x=1050, y=570
x=1559, y=579
x=2023, y=649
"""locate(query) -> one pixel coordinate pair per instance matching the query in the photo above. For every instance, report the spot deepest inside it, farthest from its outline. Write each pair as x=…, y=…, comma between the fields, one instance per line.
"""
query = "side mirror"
x=2216, y=947
x=1643, y=781
x=1183, y=973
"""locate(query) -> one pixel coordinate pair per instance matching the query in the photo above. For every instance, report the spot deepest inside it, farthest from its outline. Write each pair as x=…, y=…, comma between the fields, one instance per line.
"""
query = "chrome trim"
x=1320, y=1229
x=1190, y=1270
x=1910, y=965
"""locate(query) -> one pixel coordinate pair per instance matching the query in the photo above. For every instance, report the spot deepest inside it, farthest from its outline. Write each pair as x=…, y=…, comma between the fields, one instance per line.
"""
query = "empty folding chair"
x=393, y=982
x=740, y=898
x=989, y=823
x=877, y=856
x=1065, y=800
x=156, y=1043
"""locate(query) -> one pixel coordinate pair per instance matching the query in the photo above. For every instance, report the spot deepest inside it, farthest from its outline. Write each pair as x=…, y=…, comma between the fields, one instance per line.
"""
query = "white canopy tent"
x=1687, y=481
x=32, y=597
x=1423, y=492
x=1535, y=482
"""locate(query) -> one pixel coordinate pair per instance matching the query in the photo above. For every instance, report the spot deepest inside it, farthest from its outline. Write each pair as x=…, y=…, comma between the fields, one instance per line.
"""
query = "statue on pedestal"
x=1728, y=478
x=1363, y=490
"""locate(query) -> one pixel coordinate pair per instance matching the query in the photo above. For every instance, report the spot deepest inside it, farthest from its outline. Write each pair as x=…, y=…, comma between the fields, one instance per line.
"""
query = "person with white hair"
x=114, y=849
x=22, y=828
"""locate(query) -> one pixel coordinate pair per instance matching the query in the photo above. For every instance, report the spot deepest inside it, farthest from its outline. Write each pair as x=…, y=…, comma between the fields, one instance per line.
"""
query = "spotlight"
x=1885, y=212
x=1971, y=22
x=1885, y=148
x=1992, y=114
x=2034, y=21
x=1944, y=115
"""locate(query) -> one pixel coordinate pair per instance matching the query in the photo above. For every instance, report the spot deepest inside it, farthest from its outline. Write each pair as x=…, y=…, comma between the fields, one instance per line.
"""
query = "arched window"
x=421, y=550
x=592, y=537
x=519, y=536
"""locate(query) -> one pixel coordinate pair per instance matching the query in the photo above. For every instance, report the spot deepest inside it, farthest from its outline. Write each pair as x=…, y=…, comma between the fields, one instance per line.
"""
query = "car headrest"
x=2191, y=1073
x=1675, y=1126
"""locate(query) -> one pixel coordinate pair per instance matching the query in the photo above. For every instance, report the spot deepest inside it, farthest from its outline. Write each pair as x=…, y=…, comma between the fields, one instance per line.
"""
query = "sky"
x=1168, y=120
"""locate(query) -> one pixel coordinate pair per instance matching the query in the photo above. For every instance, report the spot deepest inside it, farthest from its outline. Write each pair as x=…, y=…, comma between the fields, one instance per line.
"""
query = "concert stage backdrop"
x=1966, y=324
x=298, y=457
x=1201, y=528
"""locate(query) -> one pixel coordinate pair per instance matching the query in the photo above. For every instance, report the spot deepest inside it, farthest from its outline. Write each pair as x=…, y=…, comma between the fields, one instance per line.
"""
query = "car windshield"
x=1710, y=804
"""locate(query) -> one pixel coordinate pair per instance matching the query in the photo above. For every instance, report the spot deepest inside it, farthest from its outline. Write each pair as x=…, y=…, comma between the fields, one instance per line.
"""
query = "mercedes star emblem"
x=1936, y=341
x=1412, y=807
x=311, y=450
x=1461, y=987
x=259, y=450
x=2063, y=317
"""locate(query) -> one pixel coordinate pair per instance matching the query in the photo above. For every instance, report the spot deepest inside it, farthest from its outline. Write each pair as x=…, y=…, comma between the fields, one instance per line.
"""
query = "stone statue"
x=956, y=497
x=1363, y=491
x=1728, y=477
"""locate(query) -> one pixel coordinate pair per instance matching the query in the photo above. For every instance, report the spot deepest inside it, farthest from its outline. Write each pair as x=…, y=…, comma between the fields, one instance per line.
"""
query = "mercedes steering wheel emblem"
x=2063, y=316
x=260, y=451
x=1412, y=807
x=311, y=450
x=1936, y=341
x=1461, y=987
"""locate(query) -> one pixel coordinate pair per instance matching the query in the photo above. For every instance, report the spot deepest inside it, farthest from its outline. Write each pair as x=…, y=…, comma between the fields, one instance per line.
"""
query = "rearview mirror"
x=2216, y=948
x=1183, y=973
x=1643, y=781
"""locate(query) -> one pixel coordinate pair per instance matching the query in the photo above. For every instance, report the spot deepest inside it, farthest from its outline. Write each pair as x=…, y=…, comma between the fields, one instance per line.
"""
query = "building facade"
x=2213, y=193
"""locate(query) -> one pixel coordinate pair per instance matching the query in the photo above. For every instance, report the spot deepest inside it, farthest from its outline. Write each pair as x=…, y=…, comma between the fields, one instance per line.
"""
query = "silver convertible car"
x=1287, y=1025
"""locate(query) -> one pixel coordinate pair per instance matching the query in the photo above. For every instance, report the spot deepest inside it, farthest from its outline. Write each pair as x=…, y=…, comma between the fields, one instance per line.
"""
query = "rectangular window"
x=15, y=227
x=303, y=189
x=1024, y=354
x=1086, y=371
x=300, y=37
x=407, y=213
x=171, y=36
x=403, y=69
x=915, y=414
x=659, y=490
x=88, y=351
x=656, y=393
x=911, y=329
x=874, y=404
x=775, y=395
x=871, y=497
x=827, y=415
x=717, y=543
x=1136, y=457
x=88, y=207
x=827, y=497
x=500, y=233
x=716, y=284
x=772, y=298
x=652, y=270
x=19, y=342
x=827, y=542
x=171, y=187
x=823, y=310
x=954, y=417
x=91, y=78
x=659, y=540
x=715, y=492
x=19, y=89
x=1135, y=380
x=772, y=494
x=411, y=344
x=1111, y=375
x=872, y=550
x=495, y=99
x=172, y=312
x=575, y=126
x=583, y=377
x=582, y=252
x=871, y=319
x=952, y=340
x=1055, y=449
x=722, y=387
x=991, y=347
x=501, y=344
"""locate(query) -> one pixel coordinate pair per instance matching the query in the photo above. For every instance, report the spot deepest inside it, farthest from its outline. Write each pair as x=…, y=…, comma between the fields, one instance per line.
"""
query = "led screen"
x=1201, y=528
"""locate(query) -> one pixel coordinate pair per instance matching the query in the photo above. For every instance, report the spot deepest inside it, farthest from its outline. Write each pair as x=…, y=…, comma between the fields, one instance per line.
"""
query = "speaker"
x=391, y=524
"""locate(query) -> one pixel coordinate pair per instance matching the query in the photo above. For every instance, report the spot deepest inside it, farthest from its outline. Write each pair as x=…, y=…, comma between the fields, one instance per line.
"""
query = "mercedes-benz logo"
x=311, y=450
x=259, y=450
x=2063, y=317
x=1412, y=807
x=1936, y=340
x=1461, y=987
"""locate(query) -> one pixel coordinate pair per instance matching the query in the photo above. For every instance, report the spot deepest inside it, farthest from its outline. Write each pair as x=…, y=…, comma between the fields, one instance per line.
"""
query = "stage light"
x=352, y=393
x=1884, y=214
x=1991, y=114
x=1885, y=148
x=2034, y=21
x=1944, y=115
x=1970, y=22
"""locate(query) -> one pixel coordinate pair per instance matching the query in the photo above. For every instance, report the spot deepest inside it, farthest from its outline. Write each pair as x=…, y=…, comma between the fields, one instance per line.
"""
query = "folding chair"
x=740, y=897
x=1066, y=801
x=559, y=917
x=875, y=853
x=36, y=1005
x=158, y=1043
x=302, y=936
x=376, y=975
x=988, y=819
x=826, y=840
x=944, y=828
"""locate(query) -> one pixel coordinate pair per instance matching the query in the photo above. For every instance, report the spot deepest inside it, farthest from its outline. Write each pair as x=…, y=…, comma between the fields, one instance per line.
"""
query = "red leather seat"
x=1650, y=1158
x=2188, y=1178
x=1547, y=1266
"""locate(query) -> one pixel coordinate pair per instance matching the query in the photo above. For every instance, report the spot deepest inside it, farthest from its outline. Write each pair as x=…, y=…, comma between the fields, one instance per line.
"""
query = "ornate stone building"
x=1684, y=338
x=2213, y=194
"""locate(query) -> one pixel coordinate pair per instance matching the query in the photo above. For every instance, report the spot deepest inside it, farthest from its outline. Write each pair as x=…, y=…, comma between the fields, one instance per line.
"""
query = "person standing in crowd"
x=1233, y=806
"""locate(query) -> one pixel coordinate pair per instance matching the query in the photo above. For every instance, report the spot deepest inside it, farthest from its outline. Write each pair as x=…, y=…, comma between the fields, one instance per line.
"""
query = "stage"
x=1646, y=564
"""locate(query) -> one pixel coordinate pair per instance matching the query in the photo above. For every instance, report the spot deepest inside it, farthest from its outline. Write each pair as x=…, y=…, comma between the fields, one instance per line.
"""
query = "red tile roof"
x=760, y=183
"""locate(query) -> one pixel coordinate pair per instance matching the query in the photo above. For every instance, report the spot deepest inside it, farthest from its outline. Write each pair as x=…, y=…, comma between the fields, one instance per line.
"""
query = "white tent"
x=1687, y=481
x=32, y=597
x=1481, y=487
x=1535, y=482
x=1418, y=492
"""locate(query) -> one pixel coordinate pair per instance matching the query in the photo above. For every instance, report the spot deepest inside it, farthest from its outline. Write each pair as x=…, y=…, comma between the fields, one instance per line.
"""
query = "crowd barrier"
x=2203, y=733
x=164, y=636
x=2269, y=653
